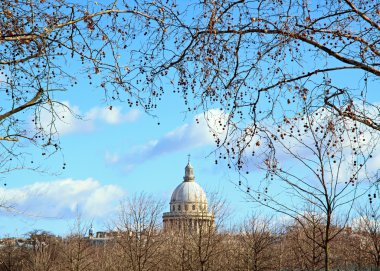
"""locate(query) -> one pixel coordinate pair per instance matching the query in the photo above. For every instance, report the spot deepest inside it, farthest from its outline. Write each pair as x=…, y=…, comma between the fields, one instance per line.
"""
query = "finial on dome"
x=189, y=172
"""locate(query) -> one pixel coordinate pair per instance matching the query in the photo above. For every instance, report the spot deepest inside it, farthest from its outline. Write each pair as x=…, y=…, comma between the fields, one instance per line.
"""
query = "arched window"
x=179, y=207
x=186, y=207
x=193, y=207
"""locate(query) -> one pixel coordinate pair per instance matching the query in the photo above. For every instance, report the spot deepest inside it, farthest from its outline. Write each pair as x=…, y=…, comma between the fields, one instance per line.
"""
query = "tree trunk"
x=327, y=256
x=327, y=240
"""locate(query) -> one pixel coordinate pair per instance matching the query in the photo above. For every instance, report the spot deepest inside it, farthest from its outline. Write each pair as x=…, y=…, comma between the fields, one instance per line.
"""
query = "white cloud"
x=114, y=116
x=112, y=158
x=64, y=119
x=63, y=198
x=190, y=135
x=68, y=118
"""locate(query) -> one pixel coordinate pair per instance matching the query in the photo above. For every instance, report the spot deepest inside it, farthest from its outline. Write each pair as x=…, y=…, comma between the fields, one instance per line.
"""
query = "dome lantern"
x=189, y=173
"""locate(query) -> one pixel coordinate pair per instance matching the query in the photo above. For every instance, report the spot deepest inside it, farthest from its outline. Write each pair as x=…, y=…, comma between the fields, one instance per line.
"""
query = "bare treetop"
x=256, y=61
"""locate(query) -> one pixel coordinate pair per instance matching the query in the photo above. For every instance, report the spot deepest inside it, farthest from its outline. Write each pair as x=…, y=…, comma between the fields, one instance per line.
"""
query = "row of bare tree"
x=138, y=243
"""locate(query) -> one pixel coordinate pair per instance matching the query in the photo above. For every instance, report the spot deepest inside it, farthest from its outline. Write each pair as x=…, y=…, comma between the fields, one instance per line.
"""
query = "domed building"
x=188, y=205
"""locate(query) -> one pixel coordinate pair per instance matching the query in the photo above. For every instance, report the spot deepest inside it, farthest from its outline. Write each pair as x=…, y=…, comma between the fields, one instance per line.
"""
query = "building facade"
x=188, y=205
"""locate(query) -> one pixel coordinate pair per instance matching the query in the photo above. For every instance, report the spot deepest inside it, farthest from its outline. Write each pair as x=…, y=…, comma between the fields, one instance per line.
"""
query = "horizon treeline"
x=136, y=241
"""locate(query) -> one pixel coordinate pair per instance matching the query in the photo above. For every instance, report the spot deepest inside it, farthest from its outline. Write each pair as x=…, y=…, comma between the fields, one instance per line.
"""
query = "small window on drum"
x=179, y=207
x=193, y=207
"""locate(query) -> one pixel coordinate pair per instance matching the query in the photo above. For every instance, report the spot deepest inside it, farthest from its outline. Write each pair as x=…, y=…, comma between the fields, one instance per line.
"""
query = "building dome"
x=188, y=195
x=188, y=192
x=188, y=204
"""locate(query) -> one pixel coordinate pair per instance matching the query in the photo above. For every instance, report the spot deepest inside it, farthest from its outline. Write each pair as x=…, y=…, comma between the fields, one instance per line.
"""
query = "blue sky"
x=110, y=154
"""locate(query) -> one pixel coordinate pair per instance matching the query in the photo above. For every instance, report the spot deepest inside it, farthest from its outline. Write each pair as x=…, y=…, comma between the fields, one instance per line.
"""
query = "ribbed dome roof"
x=188, y=190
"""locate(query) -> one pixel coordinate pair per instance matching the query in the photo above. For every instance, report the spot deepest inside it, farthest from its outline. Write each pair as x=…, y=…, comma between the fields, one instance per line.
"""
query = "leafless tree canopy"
x=255, y=60
x=45, y=44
